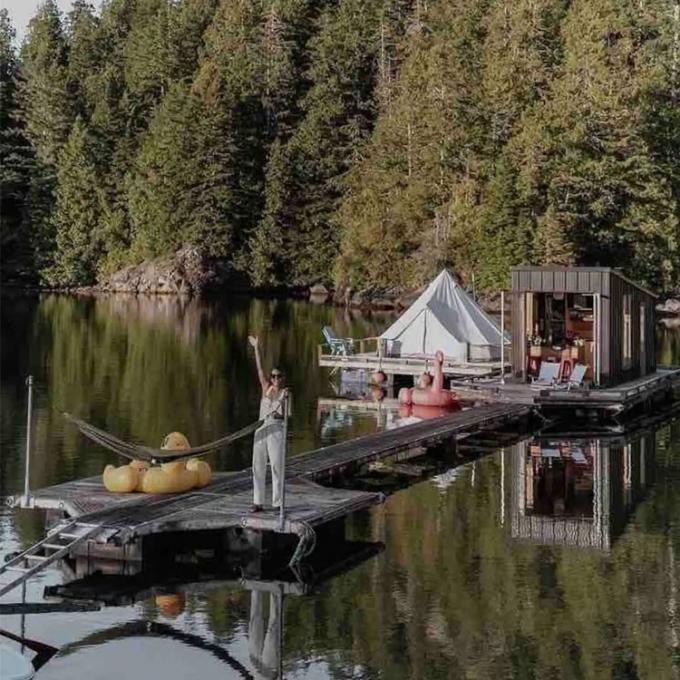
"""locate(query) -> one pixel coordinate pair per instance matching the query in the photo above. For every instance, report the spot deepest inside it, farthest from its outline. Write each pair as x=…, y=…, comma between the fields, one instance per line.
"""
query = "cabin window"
x=627, y=345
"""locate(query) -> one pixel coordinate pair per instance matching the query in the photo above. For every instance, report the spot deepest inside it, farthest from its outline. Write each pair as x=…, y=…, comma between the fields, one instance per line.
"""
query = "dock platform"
x=225, y=503
x=658, y=386
x=408, y=365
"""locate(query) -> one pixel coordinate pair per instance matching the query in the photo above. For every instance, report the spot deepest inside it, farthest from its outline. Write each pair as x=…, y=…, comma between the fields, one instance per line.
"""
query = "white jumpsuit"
x=268, y=444
x=264, y=646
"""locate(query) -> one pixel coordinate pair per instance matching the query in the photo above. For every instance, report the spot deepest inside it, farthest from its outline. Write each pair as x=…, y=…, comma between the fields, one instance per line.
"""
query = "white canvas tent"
x=444, y=318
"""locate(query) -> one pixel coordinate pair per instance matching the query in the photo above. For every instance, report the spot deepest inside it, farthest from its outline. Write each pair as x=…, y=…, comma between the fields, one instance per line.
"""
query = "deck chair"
x=338, y=346
x=576, y=377
x=547, y=375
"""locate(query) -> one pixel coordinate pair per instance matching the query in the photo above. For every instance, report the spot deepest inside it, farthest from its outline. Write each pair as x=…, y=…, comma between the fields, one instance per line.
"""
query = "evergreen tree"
x=84, y=57
x=77, y=214
x=297, y=239
x=16, y=161
x=607, y=198
x=181, y=188
x=425, y=141
x=47, y=109
x=46, y=114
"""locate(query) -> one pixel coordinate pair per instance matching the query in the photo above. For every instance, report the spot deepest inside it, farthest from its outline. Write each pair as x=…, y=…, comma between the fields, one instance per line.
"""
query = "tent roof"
x=460, y=318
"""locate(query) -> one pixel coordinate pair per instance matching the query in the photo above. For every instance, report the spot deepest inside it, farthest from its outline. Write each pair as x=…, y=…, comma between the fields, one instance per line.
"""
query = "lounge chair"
x=547, y=375
x=338, y=346
x=576, y=377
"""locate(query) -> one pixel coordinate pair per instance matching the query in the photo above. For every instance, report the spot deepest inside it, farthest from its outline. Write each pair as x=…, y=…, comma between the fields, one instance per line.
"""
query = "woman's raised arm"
x=254, y=341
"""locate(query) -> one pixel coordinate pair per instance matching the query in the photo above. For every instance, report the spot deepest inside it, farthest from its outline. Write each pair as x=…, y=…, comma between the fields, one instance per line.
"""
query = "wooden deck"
x=226, y=501
x=409, y=365
x=614, y=400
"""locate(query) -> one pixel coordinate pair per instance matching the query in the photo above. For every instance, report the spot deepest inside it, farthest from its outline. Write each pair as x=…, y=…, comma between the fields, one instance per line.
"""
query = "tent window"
x=627, y=345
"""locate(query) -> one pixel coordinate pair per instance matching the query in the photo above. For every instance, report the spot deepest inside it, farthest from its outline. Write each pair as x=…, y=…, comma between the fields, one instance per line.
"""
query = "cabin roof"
x=582, y=284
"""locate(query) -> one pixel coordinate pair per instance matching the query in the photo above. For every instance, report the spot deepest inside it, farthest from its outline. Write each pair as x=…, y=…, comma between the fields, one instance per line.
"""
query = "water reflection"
x=461, y=589
x=171, y=588
x=579, y=492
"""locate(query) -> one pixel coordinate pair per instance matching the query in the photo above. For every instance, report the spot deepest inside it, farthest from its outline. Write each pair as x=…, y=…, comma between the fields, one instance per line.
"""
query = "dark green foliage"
x=181, y=188
x=370, y=142
x=77, y=216
x=16, y=163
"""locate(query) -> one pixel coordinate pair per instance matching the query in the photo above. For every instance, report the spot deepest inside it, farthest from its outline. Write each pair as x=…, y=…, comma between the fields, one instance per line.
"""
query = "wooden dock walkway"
x=225, y=502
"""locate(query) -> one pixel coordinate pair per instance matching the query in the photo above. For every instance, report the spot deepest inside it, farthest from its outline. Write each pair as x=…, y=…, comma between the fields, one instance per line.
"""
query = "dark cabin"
x=589, y=315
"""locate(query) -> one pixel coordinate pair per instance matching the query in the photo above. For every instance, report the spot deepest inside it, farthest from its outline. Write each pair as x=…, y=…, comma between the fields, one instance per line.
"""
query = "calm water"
x=548, y=559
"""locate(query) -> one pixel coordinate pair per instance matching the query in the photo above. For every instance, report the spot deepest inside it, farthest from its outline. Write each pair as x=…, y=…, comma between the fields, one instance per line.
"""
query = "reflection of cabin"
x=593, y=316
x=578, y=492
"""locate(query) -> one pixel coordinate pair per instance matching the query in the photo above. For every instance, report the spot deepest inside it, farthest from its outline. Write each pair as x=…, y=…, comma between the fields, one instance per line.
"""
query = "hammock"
x=135, y=451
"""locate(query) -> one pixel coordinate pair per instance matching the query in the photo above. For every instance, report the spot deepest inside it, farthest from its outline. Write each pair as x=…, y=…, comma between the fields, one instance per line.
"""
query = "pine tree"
x=181, y=188
x=84, y=57
x=16, y=162
x=305, y=179
x=423, y=143
x=80, y=245
x=607, y=198
x=47, y=109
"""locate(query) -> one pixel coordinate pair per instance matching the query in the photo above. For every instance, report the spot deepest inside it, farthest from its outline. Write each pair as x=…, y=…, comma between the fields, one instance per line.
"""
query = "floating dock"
x=371, y=362
x=661, y=386
x=93, y=520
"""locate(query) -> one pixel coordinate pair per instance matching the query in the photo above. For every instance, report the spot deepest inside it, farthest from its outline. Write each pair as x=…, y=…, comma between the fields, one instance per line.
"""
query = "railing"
x=370, y=345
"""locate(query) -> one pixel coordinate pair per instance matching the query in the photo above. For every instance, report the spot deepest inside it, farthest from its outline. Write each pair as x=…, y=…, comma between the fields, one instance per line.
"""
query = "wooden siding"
x=611, y=286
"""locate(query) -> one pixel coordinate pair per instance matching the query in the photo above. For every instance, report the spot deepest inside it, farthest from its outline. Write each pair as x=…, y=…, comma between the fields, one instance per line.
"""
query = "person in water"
x=268, y=442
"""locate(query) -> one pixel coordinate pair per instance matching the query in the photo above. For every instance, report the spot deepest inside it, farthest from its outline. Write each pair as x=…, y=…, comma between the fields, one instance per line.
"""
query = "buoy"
x=378, y=377
x=171, y=605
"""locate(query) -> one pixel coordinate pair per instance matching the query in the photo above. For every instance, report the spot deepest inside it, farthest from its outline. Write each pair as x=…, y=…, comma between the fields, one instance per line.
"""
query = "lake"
x=550, y=558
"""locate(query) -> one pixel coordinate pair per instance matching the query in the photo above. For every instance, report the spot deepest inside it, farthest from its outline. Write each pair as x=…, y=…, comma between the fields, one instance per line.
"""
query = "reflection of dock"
x=341, y=403
x=578, y=492
x=192, y=577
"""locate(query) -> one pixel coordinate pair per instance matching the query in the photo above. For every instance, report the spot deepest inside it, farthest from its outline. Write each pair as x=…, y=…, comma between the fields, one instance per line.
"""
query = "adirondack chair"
x=547, y=375
x=338, y=346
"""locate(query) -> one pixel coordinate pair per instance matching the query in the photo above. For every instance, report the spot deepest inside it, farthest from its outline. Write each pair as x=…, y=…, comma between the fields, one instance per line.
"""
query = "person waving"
x=269, y=441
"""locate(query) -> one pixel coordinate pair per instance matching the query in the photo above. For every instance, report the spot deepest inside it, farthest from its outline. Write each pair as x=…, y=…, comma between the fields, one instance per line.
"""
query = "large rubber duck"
x=430, y=391
x=173, y=477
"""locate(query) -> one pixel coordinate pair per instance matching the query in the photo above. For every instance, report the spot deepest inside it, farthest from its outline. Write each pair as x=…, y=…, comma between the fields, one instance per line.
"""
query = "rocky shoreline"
x=190, y=273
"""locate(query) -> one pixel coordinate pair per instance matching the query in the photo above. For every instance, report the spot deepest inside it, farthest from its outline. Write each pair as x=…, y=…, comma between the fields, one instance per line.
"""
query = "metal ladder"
x=62, y=540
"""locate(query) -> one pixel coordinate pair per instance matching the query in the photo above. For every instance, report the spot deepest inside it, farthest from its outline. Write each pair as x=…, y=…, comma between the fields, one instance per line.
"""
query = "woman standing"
x=269, y=437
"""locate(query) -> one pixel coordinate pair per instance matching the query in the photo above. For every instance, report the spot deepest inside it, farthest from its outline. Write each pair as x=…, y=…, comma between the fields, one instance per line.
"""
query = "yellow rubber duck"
x=173, y=477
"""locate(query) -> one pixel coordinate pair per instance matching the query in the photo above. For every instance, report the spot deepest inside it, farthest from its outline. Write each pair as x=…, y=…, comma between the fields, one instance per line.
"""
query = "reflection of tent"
x=444, y=318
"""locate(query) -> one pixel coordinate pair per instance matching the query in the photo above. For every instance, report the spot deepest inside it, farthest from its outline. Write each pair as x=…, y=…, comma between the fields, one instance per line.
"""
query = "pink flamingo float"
x=430, y=391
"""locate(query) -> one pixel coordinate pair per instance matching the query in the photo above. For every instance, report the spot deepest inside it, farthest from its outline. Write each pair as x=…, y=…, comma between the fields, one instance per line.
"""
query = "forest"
x=350, y=142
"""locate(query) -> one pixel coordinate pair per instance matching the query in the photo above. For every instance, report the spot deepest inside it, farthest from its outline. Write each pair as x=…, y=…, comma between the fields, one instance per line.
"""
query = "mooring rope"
x=136, y=451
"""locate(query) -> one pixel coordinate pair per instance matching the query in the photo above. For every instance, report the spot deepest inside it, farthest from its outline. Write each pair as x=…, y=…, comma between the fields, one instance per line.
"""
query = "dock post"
x=29, y=418
x=282, y=493
x=502, y=337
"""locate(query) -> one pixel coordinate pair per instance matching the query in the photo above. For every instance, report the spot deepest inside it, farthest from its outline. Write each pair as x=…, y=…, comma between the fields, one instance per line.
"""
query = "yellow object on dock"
x=121, y=479
x=202, y=469
x=174, y=477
